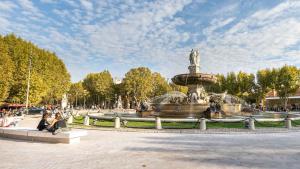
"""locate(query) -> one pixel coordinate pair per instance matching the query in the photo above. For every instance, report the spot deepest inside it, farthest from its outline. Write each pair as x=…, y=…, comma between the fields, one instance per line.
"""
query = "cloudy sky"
x=91, y=36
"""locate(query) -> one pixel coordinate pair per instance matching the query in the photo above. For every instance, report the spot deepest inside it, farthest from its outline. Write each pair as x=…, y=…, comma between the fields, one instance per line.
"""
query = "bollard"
x=117, y=122
x=288, y=123
x=86, y=120
x=95, y=122
x=158, y=123
x=202, y=124
x=70, y=120
x=251, y=123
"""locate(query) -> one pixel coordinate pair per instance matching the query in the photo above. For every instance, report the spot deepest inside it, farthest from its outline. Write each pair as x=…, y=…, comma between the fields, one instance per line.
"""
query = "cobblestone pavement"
x=130, y=150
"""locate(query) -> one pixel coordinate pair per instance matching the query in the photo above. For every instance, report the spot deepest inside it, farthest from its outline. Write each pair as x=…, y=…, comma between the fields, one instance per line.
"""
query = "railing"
x=248, y=121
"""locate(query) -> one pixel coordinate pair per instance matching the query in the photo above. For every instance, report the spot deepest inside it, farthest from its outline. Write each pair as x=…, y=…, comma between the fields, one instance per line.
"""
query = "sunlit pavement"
x=112, y=149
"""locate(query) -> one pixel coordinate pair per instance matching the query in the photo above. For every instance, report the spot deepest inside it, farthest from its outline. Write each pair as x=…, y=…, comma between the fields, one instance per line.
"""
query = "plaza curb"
x=197, y=131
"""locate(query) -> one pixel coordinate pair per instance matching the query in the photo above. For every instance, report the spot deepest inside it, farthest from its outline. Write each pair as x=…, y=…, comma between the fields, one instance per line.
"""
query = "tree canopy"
x=287, y=82
x=49, y=77
x=138, y=83
x=99, y=84
x=6, y=69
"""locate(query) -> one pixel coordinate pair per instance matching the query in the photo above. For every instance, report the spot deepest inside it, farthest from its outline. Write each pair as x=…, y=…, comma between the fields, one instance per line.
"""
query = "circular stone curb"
x=198, y=131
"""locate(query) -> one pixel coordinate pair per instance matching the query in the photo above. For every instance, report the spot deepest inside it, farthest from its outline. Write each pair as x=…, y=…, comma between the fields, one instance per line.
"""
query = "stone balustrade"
x=250, y=121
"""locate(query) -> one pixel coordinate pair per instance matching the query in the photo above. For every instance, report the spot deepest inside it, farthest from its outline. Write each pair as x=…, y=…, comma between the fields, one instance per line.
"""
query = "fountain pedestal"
x=194, y=69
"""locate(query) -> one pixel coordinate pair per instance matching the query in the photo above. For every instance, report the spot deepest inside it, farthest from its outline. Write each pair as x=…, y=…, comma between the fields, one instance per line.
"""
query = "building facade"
x=275, y=103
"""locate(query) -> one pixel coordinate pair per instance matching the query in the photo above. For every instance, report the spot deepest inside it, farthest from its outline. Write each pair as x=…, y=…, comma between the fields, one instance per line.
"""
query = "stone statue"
x=119, y=103
x=194, y=57
x=64, y=101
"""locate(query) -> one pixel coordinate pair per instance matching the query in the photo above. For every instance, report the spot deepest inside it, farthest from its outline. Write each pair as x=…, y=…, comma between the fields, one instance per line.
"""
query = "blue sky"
x=92, y=36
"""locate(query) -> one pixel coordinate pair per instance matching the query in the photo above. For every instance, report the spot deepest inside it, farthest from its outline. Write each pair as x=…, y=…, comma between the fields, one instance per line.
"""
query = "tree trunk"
x=285, y=103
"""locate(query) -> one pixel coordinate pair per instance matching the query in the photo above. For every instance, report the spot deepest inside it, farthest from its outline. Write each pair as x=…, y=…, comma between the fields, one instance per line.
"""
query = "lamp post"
x=28, y=81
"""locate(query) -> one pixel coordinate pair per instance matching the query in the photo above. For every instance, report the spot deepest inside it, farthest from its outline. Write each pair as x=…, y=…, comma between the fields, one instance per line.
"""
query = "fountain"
x=196, y=102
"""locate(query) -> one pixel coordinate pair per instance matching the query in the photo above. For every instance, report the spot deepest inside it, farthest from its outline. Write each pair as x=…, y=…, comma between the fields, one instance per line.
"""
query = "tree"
x=266, y=79
x=6, y=69
x=245, y=84
x=50, y=78
x=287, y=82
x=182, y=89
x=231, y=84
x=76, y=93
x=138, y=83
x=219, y=86
x=99, y=85
x=159, y=85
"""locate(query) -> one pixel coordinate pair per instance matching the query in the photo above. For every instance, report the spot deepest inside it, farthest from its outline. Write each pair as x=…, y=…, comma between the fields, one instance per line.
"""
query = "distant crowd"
x=7, y=119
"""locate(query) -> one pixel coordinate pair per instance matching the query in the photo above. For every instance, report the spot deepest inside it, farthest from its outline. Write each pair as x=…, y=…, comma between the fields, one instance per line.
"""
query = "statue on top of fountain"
x=194, y=61
x=194, y=57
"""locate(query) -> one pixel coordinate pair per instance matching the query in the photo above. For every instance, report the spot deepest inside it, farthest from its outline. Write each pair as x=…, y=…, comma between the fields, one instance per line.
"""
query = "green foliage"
x=245, y=83
x=231, y=83
x=159, y=85
x=182, y=89
x=6, y=69
x=77, y=93
x=240, y=84
x=138, y=83
x=287, y=82
x=49, y=77
x=219, y=86
x=99, y=84
x=266, y=81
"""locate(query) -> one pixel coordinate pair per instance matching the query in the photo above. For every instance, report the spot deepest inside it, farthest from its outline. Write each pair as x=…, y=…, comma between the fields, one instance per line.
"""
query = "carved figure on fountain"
x=194, y=58
x=194, y=62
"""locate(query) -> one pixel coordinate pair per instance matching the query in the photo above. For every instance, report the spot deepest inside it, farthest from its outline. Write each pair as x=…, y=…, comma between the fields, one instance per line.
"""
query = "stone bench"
x=67, y=137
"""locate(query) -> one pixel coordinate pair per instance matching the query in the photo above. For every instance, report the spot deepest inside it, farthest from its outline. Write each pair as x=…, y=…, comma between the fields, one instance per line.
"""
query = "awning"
x=277, y=98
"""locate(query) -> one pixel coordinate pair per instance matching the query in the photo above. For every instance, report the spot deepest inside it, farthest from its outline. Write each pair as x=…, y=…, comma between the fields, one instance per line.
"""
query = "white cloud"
x=28, y=5
x=87, y=4
x=72, y=3
x=216, y=24
x=4, y=24
x=49, y=1
x=118, y=35
x=148, y=33
x=30, y=10
x=227, y=9
x=259, y=41
x=7, y=6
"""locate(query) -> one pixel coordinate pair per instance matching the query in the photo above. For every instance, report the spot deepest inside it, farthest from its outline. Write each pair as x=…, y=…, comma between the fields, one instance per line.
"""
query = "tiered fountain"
x=196, y=102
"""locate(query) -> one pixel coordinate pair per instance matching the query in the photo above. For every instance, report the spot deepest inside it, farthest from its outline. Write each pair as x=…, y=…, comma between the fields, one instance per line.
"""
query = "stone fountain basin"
x=194, y=79
x=173, y=110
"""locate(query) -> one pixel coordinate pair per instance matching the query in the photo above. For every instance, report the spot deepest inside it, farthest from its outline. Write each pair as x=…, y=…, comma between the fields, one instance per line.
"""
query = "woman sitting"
x=43, y=124
x=6, y=119
x=57, y=124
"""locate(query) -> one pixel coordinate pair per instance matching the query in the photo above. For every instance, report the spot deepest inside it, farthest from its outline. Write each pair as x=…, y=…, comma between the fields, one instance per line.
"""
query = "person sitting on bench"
x=57, y=124
x=43, y=124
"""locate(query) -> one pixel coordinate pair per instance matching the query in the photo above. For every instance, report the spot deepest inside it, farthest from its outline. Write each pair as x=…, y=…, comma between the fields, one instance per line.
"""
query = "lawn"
x=78, y=122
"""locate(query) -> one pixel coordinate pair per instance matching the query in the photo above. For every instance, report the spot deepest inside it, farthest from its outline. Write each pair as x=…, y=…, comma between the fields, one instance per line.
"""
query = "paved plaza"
x=113, y=149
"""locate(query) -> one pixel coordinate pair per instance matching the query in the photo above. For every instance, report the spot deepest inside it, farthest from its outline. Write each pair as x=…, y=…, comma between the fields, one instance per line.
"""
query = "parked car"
x=35, y=110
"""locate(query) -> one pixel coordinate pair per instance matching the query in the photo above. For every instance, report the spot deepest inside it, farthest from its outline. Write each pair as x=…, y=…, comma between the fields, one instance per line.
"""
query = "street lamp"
x=28, y=81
